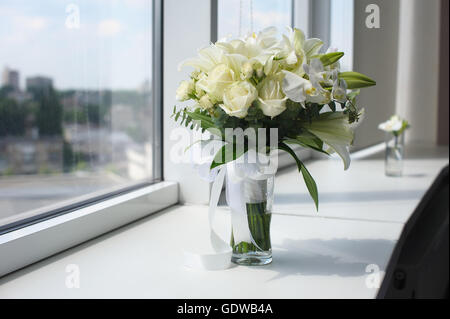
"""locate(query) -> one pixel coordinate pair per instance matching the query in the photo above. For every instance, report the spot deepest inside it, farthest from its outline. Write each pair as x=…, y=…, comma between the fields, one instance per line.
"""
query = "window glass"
x=239, y=17
x=76, y=113
x=342, y=12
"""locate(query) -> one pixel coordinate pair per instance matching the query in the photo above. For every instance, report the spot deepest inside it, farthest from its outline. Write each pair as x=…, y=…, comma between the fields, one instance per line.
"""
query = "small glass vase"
x=395, y=149
x=250, y=201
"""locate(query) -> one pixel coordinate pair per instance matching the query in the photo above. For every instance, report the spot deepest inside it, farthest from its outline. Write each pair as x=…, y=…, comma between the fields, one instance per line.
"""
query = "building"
x=11, y=78
x=24, y=155
x=39, y=82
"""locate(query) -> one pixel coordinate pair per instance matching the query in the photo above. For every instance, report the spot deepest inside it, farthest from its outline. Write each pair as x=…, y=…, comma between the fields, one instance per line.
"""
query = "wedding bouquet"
x=266, y=81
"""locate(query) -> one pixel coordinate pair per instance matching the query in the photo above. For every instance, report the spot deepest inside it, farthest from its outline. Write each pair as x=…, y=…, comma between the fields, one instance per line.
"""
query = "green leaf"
x=356, y=80
x=332, y=106
x=330, y=58
x=205, y=121
x=223, y=155
x=307, y=140
x=309, y=180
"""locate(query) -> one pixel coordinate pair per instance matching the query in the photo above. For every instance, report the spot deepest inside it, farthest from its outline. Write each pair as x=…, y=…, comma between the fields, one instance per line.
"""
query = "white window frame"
x=29, y=244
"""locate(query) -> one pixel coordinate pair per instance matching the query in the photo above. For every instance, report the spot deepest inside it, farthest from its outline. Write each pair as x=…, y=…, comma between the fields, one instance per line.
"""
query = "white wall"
x=418, y=68
x=375, y=54
x=187, y=27
x=403, y=57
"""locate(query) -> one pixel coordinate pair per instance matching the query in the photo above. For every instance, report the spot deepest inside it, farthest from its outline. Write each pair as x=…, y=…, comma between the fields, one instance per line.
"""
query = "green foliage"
x=307, y=140
x=405, y=126
x=356, y=80
x=49, y=116
x=12, y=118
x=228, y=153
x=309, y=180
x=197, y=119
x=330, y=58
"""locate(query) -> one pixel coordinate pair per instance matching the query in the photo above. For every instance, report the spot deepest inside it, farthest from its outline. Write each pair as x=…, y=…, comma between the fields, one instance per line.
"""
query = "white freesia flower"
x=339, y=91
x=205, y=102
x=217, y=81
x=301, y=90
x=238, y=98
x=184, y=90
x=394, y=124
x=272, y=100
x=247, y=71
x=317, y=74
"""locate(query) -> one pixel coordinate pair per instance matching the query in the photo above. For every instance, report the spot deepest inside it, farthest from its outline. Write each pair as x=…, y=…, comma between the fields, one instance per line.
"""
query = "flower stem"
x=259, y=225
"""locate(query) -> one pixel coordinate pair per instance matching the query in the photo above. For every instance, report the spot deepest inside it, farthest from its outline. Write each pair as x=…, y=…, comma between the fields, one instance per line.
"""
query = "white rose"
x=184, y=90
x=272, y=100
x=218, y=80
x=205, y=102
x=238, y=98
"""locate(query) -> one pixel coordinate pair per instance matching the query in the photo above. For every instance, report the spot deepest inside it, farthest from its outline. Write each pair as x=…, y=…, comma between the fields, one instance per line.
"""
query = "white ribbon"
x=236, y=191
x=221, y=259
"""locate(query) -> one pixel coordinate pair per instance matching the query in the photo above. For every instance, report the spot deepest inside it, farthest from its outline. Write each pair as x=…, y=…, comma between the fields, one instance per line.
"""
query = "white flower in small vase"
x=395, y=128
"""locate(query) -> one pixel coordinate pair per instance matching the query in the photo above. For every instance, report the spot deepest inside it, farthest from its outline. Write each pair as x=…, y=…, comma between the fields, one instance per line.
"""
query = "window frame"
x=54, y=231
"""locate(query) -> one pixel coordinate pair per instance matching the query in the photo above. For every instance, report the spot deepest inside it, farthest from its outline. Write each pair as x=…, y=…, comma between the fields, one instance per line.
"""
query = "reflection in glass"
x=240, y=17
x=75, y=102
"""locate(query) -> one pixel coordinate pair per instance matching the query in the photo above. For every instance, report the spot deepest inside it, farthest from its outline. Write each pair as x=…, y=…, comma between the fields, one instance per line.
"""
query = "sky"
x=110, y=47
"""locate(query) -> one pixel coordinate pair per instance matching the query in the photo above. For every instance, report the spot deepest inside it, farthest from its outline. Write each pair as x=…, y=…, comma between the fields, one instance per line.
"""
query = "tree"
x=12, y=118
x=49, y=116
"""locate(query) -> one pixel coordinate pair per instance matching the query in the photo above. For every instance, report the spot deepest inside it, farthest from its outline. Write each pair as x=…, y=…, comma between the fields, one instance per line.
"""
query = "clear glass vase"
x=395, y=149
x=250, y=200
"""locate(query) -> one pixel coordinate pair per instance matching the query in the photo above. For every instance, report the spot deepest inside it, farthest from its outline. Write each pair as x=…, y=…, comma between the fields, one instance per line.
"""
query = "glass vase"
x=395, y=148
x=250, y=200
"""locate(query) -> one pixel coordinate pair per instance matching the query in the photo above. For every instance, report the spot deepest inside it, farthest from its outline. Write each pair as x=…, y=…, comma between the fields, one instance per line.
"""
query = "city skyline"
x=23, y=84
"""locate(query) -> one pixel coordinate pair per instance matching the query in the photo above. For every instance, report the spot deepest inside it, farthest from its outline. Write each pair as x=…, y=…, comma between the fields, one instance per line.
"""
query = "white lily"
x=335, y=131
x=296, y=87
x=291, y=49
x=207, y=60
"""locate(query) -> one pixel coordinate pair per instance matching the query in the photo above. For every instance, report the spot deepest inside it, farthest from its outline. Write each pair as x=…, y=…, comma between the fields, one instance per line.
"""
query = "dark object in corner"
x=419, y=265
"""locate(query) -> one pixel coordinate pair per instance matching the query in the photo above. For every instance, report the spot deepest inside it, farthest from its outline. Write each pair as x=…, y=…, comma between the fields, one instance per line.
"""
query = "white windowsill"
x=30, y=244
x=322, y=255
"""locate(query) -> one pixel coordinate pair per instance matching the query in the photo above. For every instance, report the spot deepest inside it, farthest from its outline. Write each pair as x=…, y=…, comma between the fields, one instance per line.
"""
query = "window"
x=77, y=118
x=239, y=17
x=341, y=28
